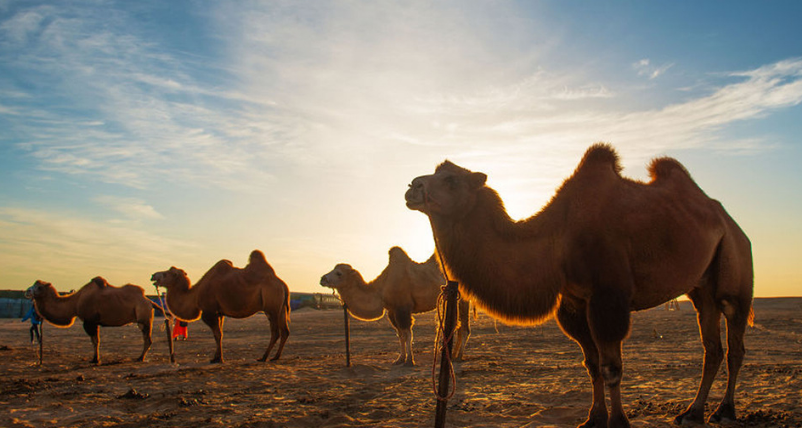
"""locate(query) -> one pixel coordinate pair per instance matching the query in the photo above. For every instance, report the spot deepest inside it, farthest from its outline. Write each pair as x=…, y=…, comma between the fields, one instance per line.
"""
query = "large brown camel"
x=228, y=291
x=403, y=288
x=96, y=304
x=602, y=247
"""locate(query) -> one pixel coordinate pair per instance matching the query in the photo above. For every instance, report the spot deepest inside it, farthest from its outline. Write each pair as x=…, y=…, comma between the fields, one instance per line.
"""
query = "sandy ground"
x=511, y=378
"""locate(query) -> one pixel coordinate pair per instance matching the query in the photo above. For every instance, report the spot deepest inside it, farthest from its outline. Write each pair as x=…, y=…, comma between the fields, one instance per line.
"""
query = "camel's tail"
x=751, y=318
x=287, y=306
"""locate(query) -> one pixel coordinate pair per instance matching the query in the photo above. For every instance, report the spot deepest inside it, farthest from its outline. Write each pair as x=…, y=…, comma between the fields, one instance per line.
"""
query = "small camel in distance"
x=97, y=304
x=602, y=247
x=228, y=291
x=402, y=289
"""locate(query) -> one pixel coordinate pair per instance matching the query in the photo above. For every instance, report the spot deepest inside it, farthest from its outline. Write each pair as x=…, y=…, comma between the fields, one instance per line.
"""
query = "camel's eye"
x=451, y=182
x=339, y=274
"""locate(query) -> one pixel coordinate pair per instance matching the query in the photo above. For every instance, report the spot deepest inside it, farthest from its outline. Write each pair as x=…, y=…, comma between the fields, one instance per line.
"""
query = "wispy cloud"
x=60, y=245
x=131, y=208
x=644, y=67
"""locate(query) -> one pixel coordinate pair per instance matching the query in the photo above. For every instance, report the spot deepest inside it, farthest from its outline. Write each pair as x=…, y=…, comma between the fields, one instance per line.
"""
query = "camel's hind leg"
x=464, y=331
x=93, y=331
x=572, y=318
x=709, y=317
x=738, y=315
x=215, y=322
x=273, y=336
x=146, y=327
x=279, y=329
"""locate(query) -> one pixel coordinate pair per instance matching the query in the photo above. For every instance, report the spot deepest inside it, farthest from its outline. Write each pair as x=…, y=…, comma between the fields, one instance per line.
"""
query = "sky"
x=135, y=136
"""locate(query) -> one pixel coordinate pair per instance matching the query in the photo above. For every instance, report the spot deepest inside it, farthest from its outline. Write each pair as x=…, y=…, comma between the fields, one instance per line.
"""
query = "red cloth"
x=179, y=330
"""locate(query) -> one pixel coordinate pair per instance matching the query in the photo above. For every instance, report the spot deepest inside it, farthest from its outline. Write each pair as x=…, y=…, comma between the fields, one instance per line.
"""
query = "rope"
x=440, y=344
x=440, y=341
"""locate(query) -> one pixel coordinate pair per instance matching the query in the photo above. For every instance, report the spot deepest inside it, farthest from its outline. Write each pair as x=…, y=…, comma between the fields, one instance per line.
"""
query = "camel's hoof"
x=409, y=364
x=398, y=362
x=689, y=417
x=262, y=360
x=216, y=361
x=724, y=412
x=274, y=358
x=618, y=421
x=600, y=422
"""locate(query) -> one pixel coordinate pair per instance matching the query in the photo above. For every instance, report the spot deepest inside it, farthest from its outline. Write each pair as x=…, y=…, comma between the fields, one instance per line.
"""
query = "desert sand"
x=513, y=377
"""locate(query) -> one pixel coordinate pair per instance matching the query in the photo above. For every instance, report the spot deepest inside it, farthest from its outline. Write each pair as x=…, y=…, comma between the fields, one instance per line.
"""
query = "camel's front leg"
x=402, y=354
x=401, y=319
x=573, y=321
x=93, y=331
x=215, y=322
x=146, y=332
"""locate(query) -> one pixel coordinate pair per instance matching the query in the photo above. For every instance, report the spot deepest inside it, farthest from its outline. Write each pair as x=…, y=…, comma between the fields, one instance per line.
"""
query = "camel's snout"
x=325, y=281
x=157, y=277
x=415, y=194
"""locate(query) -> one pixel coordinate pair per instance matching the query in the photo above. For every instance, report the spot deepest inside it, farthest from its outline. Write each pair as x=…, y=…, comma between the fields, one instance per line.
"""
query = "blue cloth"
x=33, y=316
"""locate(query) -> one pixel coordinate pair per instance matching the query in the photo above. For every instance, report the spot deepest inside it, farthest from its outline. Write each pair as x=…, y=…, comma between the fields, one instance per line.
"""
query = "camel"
x=228, y=291
x=604, y=246
x=403, y=288
x=96, y=304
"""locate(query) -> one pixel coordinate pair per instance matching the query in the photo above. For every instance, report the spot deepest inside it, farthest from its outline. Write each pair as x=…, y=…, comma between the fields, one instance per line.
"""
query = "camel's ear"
x=477, y=180
x=99, y=281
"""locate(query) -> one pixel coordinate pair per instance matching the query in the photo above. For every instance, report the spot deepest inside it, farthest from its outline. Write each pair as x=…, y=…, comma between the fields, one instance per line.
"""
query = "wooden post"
x=167, y=328
x=169, y=338
x=41, y=339
x=347, y=336
x=446, y=370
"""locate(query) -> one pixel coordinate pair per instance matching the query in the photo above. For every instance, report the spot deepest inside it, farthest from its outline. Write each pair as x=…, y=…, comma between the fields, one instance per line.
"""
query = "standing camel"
x=96, y=304
x=228, y=291
x=402, y=289
x=602, y=247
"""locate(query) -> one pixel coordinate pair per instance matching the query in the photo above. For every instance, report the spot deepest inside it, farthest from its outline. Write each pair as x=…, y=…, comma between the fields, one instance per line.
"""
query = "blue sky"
x=135, y=136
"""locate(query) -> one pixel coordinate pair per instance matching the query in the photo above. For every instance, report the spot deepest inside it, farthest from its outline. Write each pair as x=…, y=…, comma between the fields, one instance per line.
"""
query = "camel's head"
x=450, y=191
x=168, y=278
x=338, y=277
x=38, y=289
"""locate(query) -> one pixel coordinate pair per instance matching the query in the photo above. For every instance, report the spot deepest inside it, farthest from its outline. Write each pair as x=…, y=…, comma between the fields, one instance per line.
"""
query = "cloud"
x=645, y=68
x=132, y=208
x=294, y=90
x=62, y=245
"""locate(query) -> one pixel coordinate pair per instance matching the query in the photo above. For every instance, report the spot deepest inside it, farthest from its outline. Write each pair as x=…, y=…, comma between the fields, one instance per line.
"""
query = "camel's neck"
x=363, y=299
x=58, y=310
x=182, y=300
x=511, y=268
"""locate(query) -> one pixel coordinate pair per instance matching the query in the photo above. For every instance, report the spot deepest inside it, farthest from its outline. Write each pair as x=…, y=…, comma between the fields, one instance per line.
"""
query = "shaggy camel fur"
x=602, y=247
x=229, y=291
x=402, y=289
x=96, y=304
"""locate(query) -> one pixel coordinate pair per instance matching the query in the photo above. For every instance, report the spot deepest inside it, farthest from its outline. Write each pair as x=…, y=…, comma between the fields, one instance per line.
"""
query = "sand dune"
x=518, y=377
